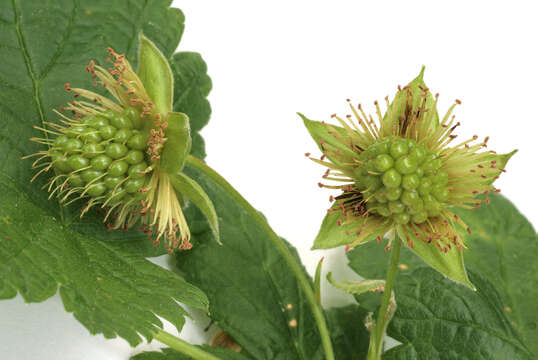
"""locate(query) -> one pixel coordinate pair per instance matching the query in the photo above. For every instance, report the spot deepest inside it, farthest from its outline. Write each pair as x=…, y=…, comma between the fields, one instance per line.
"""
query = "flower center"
x=402, y=180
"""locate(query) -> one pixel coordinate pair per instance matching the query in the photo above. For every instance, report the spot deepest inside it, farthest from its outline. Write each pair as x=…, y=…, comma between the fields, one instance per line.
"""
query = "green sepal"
x=156, y=75
x=178, y=143
x=410, y=98
x=450, y=264
x=320, y=133
x=357, y=287
x=502, y=160
x=331, y=234
x=334, y=231
x=194, y=192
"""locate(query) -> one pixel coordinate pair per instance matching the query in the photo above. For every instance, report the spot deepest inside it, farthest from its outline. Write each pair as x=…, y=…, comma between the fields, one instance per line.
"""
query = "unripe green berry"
x=418, y=153
x=72, y=145
x=409, y=197
x=122, y=136
x=420, y=217
x=440, y=178
x=393, y=193
x=392, y=178
x=398, y=149
x=92, y=150
x=121, y=122
x=60, y=141
x=383, y=210
x=410, y=181
x=396, y=207
x=96, y=189
x=132, y=185
x=112, y=181
x=134, y=157
x=75, y=131
x=90, y=175
x=118, y=168
x=425, y=186
x=115, y=150
x=137, y=142
x=60, y=162
x=77, y=162
x=406, y=165
x=98, y=122
x=383, y=162
x=107, y=132
x=380, y=198
x=440, y=192
x=91, y=136
x=135, y=170
x=101, y=162
x=132, y=114
x=75, y=180
x=401, y=218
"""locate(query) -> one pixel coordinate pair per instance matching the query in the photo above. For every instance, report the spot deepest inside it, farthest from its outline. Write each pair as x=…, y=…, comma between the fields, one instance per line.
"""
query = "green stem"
x=281, y=247
x=183, y=347
x=381, y=323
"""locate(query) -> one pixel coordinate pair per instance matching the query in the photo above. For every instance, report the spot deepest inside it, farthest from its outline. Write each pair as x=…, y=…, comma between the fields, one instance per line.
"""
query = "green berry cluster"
x=402, y=180
x=103, y=156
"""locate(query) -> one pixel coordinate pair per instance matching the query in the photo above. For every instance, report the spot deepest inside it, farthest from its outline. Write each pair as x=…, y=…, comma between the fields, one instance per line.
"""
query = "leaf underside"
x=102, y=276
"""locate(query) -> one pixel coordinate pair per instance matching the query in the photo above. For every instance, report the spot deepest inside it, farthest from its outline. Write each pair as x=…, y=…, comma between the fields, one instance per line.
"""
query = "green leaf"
x=349, y=335
x=194, y=192
x=170, y=354
x=191, y=88
x=156, y=75
x=253, y=295
x=109, y=291
x=438, y=319
x=370, y=260
x=44, y=45
x=503, y=247
x=178, y=143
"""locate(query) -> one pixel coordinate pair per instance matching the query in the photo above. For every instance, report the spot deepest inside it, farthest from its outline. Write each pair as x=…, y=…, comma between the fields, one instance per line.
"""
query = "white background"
x=270, y=59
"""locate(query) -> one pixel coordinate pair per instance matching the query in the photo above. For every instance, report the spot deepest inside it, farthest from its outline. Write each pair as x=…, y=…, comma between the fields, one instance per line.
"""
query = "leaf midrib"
x=31, y=73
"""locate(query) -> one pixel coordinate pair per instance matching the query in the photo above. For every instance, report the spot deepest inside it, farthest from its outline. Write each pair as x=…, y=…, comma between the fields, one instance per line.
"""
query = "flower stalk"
x=388, y=307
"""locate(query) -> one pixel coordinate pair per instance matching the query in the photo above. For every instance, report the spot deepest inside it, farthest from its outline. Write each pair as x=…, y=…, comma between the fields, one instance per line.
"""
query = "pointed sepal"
x=178, y=143
x=156, y=75
x=449, y=263
x=408, y=102
x=194, y=192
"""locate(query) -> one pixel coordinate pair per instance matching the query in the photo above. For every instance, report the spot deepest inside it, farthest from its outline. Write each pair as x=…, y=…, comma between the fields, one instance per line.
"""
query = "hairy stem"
x=376, y=347
x=183, y=346
x=281, y=247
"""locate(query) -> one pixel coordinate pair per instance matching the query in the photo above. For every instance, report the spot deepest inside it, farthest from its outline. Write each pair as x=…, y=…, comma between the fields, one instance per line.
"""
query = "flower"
x=404, y=172
x=113, y=153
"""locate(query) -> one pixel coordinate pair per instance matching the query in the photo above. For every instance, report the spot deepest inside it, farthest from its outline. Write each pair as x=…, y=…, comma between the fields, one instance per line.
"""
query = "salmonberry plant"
x=114, y=174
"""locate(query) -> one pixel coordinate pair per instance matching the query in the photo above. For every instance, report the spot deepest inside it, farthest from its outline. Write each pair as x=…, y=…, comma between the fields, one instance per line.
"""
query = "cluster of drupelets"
x=403, y=180
x=99, y=156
